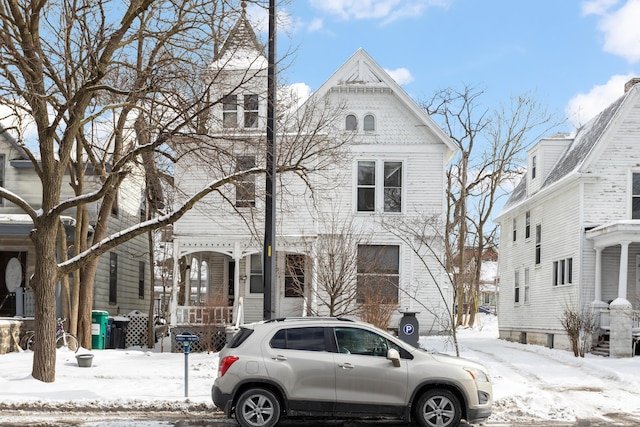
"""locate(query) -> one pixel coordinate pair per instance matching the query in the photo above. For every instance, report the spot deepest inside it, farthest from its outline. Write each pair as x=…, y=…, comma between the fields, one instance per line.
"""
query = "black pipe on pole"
x=269, y=253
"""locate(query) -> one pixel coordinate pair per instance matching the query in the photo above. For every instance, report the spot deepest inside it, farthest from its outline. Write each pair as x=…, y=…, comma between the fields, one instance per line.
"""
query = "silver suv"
x=331, y=367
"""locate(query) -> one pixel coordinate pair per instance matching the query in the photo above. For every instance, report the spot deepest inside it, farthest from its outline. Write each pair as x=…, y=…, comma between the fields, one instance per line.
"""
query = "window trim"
x=376, y=270
x=538, y=251
x=244, y=185
x=230, y=112
x=516, y=287
x=351, y=126
x=527, y=224
x=372, y=123
x=251, y=273
x=379, y=186
x=250, y=115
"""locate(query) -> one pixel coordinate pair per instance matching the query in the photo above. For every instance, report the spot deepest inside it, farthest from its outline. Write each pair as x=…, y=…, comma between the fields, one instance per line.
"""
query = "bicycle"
x=63, y=339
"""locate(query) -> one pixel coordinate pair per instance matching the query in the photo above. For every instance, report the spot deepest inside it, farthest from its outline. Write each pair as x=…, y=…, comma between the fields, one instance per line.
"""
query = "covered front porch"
x=616, y=303
x=222, y=284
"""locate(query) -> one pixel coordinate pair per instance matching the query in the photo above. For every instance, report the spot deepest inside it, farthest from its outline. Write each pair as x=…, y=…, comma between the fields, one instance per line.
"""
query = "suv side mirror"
x=394, y=356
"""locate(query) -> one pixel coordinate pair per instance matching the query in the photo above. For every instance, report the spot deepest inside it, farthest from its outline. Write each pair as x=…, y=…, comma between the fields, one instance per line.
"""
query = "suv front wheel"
x=439, y=408
x=257, y=407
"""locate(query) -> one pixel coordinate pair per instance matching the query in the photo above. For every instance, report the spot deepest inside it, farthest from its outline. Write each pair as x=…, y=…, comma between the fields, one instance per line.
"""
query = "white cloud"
x=387, y=10
x=584, y=106
x=597, y=7
x=402, y=76
x=295, y=94
x=620, y=27
x=316, y=25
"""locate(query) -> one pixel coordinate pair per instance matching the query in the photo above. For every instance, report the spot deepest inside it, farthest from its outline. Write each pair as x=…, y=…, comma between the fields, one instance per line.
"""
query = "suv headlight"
x=477, y=374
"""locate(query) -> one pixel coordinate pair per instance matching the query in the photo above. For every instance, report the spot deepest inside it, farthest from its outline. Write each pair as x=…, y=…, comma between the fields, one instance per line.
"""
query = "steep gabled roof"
x=579, y=152
x=4, y=134
x=360, y=70
x=241, y=49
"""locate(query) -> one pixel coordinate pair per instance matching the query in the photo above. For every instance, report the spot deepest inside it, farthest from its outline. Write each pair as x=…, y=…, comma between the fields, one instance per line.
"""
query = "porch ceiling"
x=614, y=233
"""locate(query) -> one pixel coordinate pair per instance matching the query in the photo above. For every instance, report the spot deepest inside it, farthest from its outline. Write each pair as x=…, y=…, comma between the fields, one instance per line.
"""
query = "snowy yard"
x=531, y=383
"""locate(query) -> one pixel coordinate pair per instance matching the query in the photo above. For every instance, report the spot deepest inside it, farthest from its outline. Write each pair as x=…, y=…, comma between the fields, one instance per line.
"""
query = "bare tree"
x=491, y=148
x=82, y=76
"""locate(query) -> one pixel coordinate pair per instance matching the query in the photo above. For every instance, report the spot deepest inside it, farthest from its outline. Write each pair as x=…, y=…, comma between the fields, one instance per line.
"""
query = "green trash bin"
x=99, y=322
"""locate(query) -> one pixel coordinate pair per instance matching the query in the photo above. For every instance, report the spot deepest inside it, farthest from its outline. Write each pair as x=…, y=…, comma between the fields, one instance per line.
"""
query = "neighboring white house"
x=391, y=166
x=122, y=279
x=570, y=232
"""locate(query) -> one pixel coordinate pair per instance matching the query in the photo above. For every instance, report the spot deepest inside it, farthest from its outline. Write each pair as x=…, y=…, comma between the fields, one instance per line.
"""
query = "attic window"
x=369, y=123
x=351, y=122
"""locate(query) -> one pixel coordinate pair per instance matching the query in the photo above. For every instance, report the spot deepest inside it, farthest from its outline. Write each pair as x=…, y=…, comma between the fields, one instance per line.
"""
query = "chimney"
x=628, y=85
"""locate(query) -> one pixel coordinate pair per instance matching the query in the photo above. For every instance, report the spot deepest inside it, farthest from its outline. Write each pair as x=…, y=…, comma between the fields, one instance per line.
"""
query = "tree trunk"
x=85, y=304
x=44, y=291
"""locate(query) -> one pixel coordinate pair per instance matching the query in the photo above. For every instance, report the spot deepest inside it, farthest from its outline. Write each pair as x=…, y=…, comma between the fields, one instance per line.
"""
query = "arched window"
x=351, y=123
x=369, y=123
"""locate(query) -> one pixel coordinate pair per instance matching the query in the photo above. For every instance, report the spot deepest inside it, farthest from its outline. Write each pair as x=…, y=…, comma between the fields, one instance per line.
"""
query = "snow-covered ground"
x=530, y=383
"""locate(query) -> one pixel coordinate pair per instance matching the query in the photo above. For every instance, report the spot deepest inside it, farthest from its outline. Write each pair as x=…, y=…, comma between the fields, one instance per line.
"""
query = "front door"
x=291, y=296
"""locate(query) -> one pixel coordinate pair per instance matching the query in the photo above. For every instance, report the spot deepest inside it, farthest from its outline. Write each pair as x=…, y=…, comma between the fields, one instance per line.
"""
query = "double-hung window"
x=516, y=287
x=379, y=186
x=230, y=111
x=538, y=243
x=245, y=186
x=256, y=284
x=635, y=197
x=251, y=111
x=378, y=274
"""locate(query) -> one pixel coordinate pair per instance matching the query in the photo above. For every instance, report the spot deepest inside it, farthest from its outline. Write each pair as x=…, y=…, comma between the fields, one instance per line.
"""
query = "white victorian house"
x=387, y=161
x=570, y=233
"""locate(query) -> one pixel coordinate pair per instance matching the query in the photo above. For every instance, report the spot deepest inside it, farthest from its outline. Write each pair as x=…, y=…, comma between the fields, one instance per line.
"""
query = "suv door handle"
x=346, y=365
x=279, y=357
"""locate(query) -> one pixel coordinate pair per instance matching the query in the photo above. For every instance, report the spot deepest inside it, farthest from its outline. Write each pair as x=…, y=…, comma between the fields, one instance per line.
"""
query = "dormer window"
x=369, y=123
x=351, y=122
x=534, y=164
x=251, y=111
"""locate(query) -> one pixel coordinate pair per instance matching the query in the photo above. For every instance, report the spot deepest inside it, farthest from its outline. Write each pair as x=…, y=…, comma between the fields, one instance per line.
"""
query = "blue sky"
x=573, y=56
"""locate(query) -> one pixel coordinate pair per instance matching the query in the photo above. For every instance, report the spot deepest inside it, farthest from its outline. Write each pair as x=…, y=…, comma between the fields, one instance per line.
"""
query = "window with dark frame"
x=230, y=111
x=534, y=166
x=256, y=284
x=392, y=186
x=251, y=111
x=366, y=186
x=635, y=198
x=246, y=185
x=378, y=274
x=526, y=286
x=527, y=225
x=371, y=188
x=516, y=286
x=141, y=273
x=294, y=275
x=515, y=229
x=562, y=272
x=113, y=278
x=538, y=243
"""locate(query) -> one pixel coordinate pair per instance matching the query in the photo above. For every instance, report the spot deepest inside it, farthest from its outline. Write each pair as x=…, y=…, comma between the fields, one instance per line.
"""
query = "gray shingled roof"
x=575, y=154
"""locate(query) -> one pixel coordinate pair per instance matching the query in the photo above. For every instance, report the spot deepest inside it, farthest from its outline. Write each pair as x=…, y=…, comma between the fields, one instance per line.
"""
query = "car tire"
x=258, y=407
x=438, y=407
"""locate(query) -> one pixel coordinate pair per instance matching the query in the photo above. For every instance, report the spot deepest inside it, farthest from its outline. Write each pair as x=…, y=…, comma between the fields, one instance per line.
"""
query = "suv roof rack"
x=308, y=318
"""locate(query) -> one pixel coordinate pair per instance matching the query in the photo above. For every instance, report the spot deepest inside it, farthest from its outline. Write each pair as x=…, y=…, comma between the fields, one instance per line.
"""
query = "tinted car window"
x=239, y=337
x=310, y=339
x=362, y=342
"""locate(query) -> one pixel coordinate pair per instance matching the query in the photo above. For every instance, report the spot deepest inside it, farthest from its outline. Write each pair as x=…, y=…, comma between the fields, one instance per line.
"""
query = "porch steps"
x=601, y=349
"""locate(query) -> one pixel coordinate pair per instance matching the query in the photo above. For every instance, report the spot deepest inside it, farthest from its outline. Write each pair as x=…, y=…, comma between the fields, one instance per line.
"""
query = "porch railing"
x=198, y=315
x=605, y=320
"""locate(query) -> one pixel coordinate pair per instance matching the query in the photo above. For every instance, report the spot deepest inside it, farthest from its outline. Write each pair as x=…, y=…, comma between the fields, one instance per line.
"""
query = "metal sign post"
x=186, y=338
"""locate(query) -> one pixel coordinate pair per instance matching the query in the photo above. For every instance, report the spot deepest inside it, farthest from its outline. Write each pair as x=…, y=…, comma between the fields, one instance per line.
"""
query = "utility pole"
x=269, y=253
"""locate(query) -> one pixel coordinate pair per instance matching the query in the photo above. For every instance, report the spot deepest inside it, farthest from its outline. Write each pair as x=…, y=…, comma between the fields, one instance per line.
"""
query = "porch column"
x=624, y=262
x=237, y=256
x=175, y=285
x=598, y=274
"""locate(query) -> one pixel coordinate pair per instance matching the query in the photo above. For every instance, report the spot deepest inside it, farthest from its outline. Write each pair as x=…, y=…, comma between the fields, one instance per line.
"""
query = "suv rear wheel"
x=257, y=407
x=439, y=408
